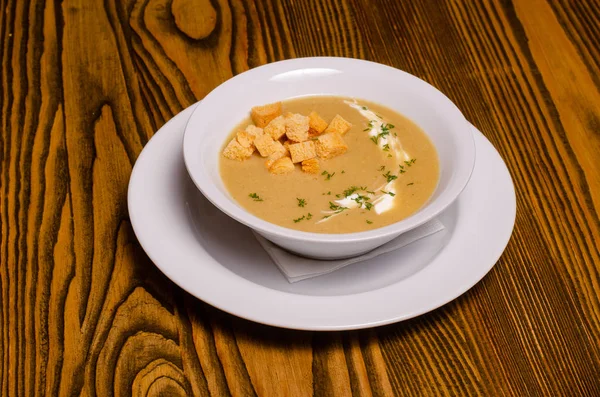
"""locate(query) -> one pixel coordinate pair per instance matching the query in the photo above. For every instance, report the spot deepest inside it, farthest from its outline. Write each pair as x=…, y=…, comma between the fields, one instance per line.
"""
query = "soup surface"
x=389, y=171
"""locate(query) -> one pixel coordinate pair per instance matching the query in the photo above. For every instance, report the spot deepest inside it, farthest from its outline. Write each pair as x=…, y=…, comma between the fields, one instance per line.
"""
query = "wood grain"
x=84, y=85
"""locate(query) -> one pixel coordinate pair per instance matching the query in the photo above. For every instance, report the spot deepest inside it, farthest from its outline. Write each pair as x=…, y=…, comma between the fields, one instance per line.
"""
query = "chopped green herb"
x=369, y=222
x=364, y=108
x=350, y=190
x=375, y=139
x=338, y=195
x=326, y=216
x=343, y=172
x=255, y=197
x=389, y=176
x=327, y=174
x=408, y=184
x=361, y=200
x=386, y=148
x=370, y=192
x=410, y=162
x=389, y=155
x=299, y=219
x=368, y=206
x=382, y=168
x=336, y=208
x=326, y=194
x=309, y=216
x=390, y=193
x=301, y=202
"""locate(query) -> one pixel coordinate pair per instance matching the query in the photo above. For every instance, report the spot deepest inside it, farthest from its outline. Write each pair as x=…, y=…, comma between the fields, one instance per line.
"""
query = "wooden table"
x=85, y=84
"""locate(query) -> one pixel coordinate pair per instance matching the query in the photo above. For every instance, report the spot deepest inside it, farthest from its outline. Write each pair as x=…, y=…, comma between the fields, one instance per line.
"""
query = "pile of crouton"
x=286, y=140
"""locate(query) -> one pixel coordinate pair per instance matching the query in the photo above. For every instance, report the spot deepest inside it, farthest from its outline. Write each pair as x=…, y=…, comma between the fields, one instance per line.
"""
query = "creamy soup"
x=389, y=170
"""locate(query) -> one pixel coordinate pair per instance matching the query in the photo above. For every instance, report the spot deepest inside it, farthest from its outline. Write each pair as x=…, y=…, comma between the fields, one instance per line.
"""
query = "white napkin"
x=297, y=268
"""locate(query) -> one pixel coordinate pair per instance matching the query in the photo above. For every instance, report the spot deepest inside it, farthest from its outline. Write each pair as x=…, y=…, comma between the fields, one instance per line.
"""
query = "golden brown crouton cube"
x=302, y=151
x=265, y=145
x=339, y=125
x=254, y=131
x=311, y=166
x=316, y=125
x=262, y=115
x=235, y=151
x=296, y=127
x=282, y=166
x=245, y=139
x=276, y=128
x=280, y=151
x=330, y=144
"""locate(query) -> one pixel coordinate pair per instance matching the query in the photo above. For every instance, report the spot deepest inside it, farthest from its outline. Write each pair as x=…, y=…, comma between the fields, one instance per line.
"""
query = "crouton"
x=235, y=151
x=296, y=127
x=302, y=151
x=311, y=166
x=330, y=144
x=316, y=125
x=245, y=139
x=280, y=151
x=262, y=115
x=254, y=131
x=276, y=128
x=265, y=145
x=339, y=125
x=282, y=166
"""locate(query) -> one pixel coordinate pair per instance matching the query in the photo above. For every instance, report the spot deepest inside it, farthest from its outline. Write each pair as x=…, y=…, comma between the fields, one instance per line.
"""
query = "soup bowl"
x=223, y=108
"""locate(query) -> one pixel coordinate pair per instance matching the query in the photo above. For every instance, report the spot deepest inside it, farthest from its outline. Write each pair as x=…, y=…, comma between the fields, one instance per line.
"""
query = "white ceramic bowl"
x=221, y=110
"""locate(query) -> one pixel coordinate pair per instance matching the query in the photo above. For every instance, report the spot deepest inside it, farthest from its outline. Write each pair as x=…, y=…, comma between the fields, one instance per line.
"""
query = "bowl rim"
x=260, y=225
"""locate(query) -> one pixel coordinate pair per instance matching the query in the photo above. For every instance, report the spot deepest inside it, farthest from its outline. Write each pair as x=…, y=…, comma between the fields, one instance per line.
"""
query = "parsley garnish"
x=361, y=200
x=411, y=162
x=408, y=184
x=368, y=206
x=255, y=197
x=382, y=168
x=389, y=155
x=299, y=219
x=343, y=172
x=301, y=202
x=308, y=216
x=389, y=176
x=350, y=190
x=369, y=222
x=370, y=192
x=369, y=126
x=327, y=174
x=385, y=130
x=336, y=208
x=364, y=108
x=326, y=216
x=386, y=148
x=390, y=193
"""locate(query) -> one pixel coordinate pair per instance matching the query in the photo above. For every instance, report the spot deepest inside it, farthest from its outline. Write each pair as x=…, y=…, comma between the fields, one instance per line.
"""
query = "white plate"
x=218, y=260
